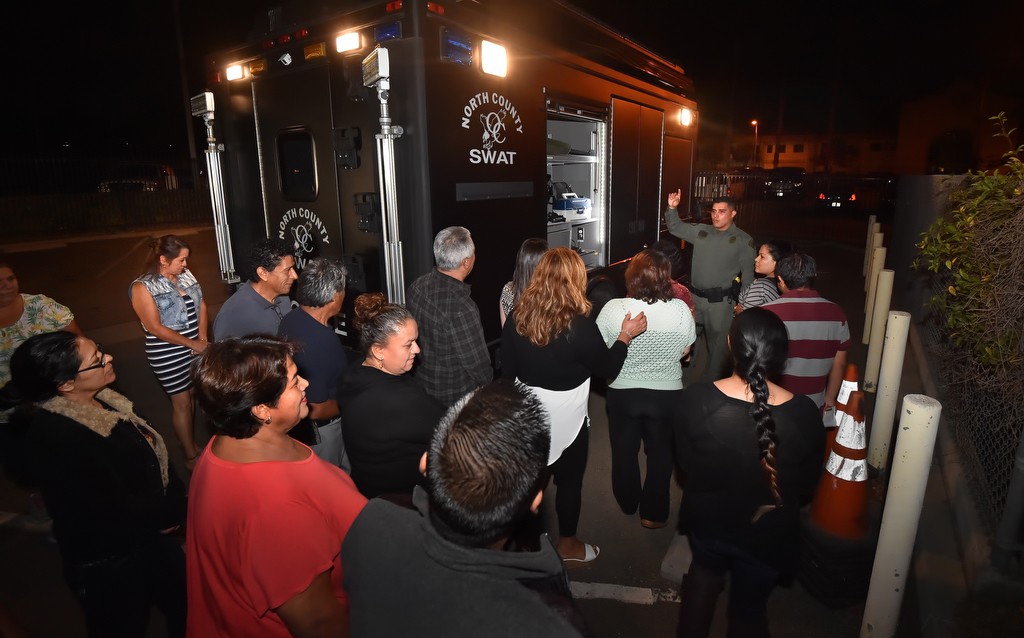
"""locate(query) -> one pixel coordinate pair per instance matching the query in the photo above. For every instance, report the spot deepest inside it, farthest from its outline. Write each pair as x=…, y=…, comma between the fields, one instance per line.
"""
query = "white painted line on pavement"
x=623, y=593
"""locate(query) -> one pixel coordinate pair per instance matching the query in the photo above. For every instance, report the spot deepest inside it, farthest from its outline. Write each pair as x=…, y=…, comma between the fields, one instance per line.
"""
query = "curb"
x=34, y=245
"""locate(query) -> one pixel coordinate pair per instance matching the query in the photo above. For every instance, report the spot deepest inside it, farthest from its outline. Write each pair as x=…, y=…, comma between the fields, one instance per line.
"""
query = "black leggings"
x=750, y=584
x=648, y=416
x=568, y=474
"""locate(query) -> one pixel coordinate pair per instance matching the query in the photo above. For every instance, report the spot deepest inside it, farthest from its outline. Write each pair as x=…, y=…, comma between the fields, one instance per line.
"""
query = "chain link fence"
x=987, y=425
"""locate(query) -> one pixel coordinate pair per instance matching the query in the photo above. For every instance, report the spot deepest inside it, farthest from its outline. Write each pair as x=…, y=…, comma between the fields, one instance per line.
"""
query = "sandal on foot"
x=590, y=553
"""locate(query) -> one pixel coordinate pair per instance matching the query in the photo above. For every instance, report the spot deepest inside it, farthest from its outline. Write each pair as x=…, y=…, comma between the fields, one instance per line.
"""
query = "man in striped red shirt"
x=819, y=334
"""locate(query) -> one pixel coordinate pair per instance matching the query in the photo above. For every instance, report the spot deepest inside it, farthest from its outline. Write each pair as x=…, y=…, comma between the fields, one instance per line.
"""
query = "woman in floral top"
x=23, y=316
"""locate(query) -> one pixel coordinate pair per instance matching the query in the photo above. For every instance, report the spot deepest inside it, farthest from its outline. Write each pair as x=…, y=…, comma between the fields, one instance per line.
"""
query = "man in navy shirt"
x=321, y=360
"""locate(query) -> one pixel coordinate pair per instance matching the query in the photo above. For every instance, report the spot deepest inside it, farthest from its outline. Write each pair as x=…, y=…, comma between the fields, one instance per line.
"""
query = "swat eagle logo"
x=498, y=118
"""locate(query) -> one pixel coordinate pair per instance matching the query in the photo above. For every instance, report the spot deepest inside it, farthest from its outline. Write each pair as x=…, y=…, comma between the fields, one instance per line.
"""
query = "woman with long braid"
x=751, y=453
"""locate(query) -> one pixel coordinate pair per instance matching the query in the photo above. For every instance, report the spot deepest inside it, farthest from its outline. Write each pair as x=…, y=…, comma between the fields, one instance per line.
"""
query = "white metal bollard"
x=877, y=264
x=893, y=352
x=914, y=447
x=874, y=328
x=867, y=243
x=876, y=243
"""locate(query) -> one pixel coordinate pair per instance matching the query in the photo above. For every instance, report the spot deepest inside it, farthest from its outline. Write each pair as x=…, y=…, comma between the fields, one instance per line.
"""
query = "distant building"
x=851, y=153
x=950, y=131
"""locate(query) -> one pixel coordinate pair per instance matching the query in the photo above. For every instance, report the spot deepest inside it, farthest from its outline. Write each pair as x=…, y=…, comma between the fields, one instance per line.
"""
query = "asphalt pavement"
x=624, y=592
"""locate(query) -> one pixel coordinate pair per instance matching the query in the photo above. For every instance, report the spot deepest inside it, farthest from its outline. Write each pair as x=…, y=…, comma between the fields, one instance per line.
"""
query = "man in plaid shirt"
x=453, y=358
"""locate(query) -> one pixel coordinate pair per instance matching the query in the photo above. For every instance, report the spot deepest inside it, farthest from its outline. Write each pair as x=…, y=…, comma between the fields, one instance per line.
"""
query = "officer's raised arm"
x=675, y=225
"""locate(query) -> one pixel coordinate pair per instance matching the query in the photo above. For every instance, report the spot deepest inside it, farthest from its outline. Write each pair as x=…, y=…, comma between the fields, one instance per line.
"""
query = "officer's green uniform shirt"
x=717, y=254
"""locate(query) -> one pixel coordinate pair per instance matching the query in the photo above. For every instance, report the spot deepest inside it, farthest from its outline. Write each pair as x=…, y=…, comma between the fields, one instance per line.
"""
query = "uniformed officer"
x=720, y=252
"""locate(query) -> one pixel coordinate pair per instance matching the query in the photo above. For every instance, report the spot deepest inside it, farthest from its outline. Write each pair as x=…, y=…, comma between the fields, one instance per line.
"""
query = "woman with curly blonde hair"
x=551, y=344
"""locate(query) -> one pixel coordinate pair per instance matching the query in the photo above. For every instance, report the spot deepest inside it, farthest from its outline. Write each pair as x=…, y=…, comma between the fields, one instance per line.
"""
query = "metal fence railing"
x=43, y=198
x=66, y=175
x=45, y=216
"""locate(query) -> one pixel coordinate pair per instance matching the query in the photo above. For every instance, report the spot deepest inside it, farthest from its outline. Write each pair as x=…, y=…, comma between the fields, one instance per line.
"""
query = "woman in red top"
x=266, y=516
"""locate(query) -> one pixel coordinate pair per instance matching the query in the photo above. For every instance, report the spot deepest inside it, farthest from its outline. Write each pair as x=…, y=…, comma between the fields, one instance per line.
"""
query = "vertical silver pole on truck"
x=202, y=106
x=377, y=74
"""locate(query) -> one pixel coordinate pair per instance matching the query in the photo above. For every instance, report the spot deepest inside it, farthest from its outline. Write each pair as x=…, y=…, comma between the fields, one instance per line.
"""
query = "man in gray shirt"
x=720, y=251
x=260, y=303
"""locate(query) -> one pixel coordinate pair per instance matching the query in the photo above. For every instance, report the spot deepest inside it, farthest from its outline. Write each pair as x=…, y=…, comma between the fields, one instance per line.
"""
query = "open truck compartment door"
x=594, y=113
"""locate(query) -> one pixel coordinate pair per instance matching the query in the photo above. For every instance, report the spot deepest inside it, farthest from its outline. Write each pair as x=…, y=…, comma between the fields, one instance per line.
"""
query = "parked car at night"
x=786, y=182
x=836, y=193
x=142, y=178
x=127, y=185
x=747, y=182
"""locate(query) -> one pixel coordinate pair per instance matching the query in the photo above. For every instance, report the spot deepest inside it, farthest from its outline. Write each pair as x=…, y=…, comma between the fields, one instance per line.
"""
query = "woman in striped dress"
x=169, y=303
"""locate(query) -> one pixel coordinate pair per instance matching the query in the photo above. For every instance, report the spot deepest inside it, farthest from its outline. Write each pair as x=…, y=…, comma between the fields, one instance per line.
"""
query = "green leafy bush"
x=977, y=251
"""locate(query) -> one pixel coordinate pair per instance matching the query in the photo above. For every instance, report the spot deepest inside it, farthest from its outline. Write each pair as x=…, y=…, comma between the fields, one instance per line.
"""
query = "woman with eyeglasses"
x=105, y=478
x=169, y=302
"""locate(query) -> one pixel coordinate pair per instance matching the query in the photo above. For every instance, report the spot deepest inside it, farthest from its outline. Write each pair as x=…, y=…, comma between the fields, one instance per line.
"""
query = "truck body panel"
x=594, y=110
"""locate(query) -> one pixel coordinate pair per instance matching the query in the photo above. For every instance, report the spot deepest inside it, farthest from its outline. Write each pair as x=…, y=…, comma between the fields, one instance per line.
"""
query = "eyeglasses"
x=103, y=360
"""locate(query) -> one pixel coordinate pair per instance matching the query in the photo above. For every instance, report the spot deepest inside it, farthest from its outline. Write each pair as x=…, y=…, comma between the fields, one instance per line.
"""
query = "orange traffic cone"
x=850, y=381
x=840, y=505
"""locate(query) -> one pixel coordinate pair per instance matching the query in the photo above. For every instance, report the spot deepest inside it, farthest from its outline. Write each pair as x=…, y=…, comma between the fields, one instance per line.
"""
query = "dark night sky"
x=105, y=74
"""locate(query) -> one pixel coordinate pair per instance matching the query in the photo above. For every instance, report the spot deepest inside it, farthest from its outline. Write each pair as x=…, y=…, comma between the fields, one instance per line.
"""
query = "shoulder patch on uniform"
x=732, y=240
x=750, y=242
x=702, y=234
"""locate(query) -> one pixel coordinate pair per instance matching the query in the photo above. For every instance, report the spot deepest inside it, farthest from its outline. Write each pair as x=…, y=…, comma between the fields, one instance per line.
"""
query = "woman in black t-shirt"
x=751, y=452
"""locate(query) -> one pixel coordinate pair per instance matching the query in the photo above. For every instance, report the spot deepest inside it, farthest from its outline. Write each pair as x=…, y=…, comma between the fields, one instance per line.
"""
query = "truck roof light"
x=234, y=72
x=310, y=51
x=456, y=47
x=284, y=39
x=435, y=8
x=267, y=44
x=686, y=116
x=391, y=7
x=493, y=59
x=302, y=33
x=384, y=32
x=348, y=42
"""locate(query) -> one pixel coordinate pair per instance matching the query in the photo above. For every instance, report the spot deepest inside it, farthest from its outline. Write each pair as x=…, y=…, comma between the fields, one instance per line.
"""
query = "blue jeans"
x=752, y=581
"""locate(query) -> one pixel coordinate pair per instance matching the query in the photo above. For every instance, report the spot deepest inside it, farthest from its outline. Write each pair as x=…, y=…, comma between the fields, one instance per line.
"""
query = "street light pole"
x=757, y=159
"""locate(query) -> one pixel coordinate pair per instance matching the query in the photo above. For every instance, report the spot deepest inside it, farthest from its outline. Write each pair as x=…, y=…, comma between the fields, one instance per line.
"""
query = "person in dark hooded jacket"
x=450, y=568
x=388, y=417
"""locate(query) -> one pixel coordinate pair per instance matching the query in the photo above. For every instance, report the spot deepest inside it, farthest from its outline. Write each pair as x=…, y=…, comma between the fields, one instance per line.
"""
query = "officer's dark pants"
x=716, y=318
